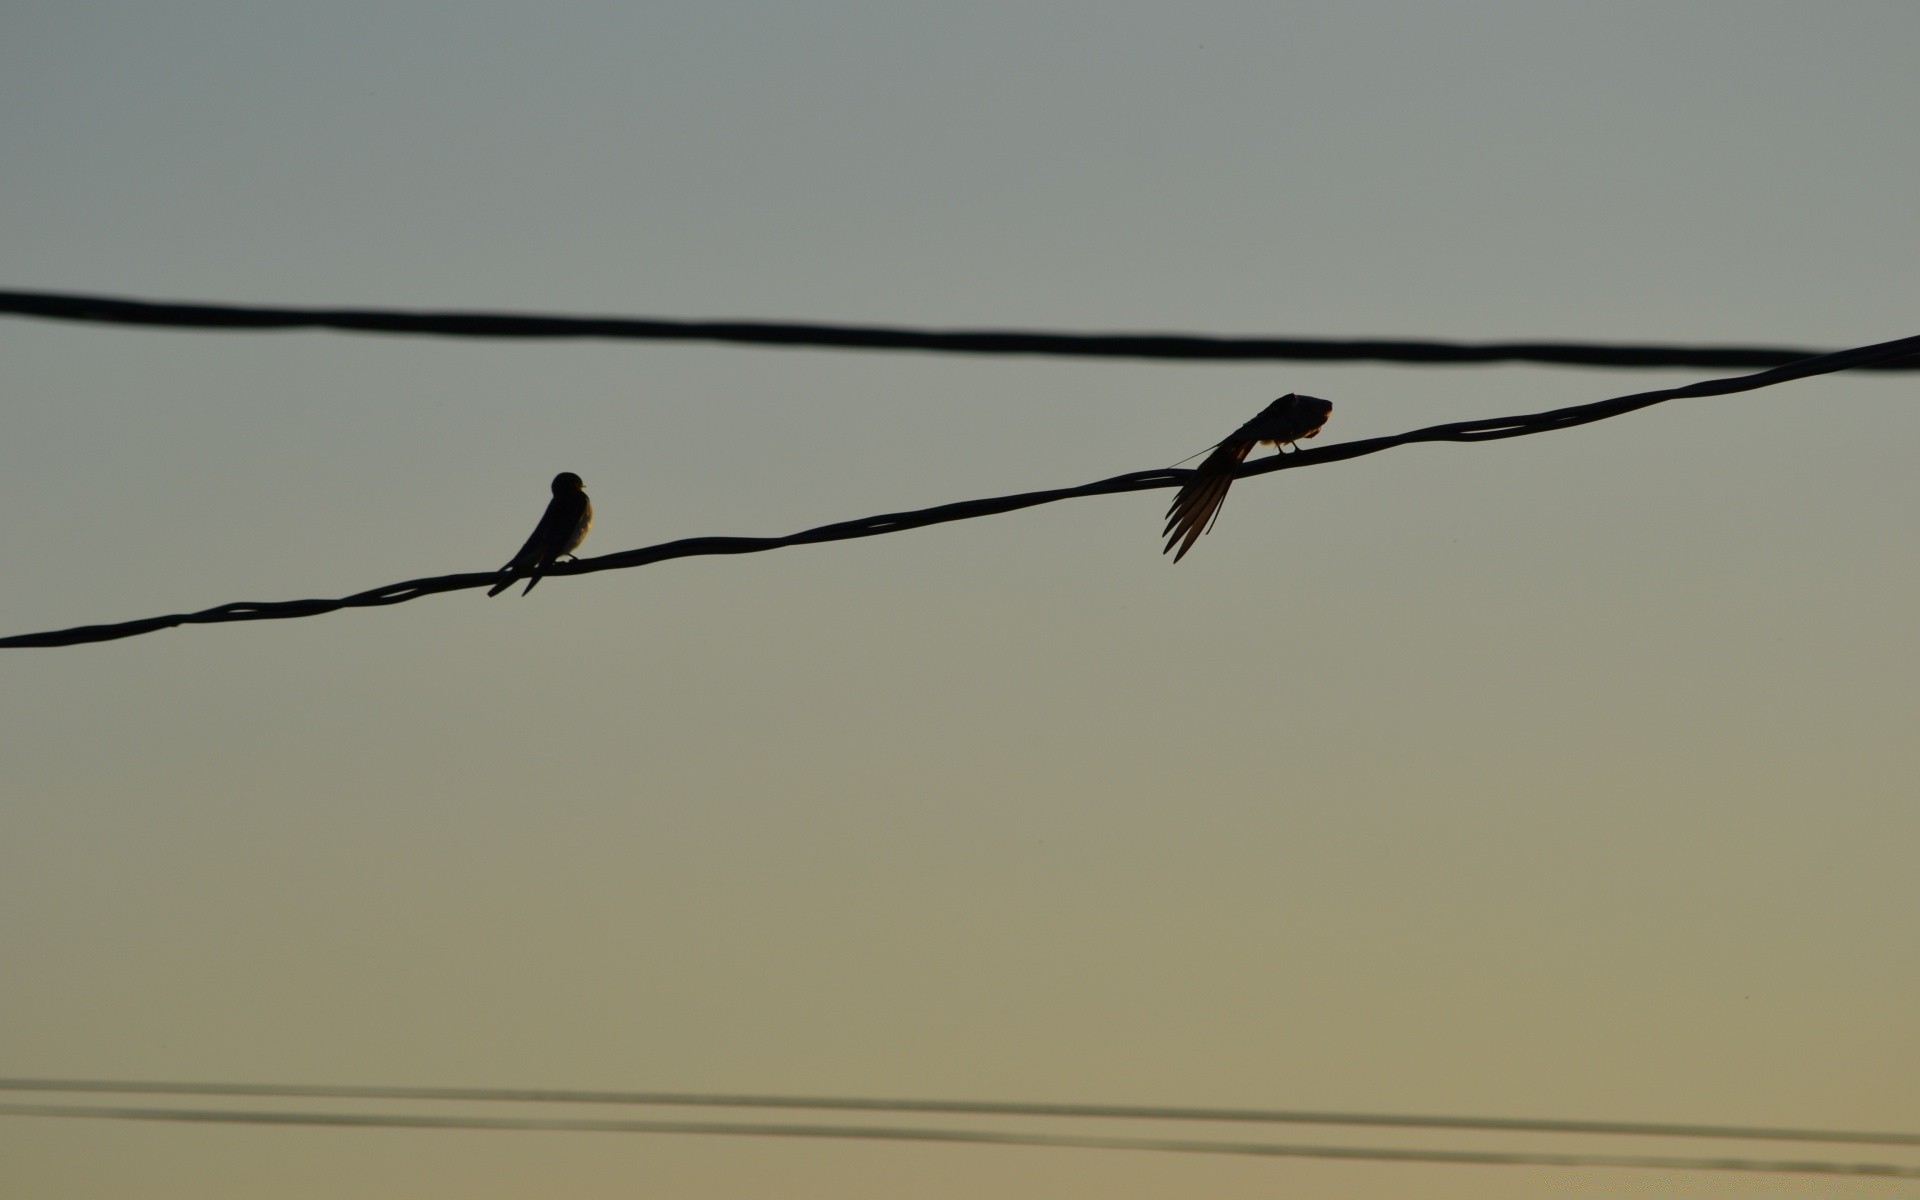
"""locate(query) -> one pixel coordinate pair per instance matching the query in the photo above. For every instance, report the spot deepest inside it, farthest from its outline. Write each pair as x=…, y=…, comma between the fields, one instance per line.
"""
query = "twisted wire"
x=1478, y=430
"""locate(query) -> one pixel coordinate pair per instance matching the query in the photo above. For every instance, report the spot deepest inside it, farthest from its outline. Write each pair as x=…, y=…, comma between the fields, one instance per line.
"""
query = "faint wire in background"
x=1481, y=430
x=995, y=1108
x=109, y=310
x=971, y=1137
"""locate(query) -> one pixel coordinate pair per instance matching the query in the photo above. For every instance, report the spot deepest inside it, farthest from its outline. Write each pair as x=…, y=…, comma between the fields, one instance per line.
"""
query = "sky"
x=1562, y=776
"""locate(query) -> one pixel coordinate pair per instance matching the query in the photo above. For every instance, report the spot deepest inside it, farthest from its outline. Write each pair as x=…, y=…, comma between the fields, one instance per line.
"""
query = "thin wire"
x=971, y=1137
x=1484, y=429
x=999, y=1108
x=59, y=306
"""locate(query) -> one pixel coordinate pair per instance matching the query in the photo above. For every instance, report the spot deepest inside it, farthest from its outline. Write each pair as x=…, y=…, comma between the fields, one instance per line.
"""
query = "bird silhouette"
x=1287, y=420
x=562, y=527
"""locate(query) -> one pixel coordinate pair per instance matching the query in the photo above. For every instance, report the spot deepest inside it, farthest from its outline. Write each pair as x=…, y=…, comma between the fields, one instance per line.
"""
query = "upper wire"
x=113, y=310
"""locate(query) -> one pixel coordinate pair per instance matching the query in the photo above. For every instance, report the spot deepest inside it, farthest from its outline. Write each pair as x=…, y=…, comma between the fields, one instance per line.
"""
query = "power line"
x=1481, y=430
x=973, y=1137
x=996, y=1108
x=110, y=310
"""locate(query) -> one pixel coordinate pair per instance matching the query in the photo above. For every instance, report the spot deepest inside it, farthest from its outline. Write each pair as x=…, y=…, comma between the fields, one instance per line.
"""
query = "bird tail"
x=1197, y=504
x=507, y=580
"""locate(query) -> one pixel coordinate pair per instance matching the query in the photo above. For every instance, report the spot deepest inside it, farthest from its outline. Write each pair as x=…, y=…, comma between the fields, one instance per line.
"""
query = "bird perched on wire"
x=562, y=527
x=1287, y=420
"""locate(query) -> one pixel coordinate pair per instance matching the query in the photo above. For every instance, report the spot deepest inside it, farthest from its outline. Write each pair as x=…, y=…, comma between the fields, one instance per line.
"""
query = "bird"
x=562, y=527
x=1287, y=420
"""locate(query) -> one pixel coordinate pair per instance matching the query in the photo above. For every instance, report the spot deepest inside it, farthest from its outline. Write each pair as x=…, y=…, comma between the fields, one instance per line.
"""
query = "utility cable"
x=972, y=1137
x=978, y=1108
x=110, y=310
x=1479, y=430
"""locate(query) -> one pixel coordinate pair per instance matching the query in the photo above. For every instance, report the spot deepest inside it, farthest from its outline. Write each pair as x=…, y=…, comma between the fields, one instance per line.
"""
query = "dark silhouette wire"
x=984, y=1108
x=974, y=1137
x=1480, y=430
x=109, y=310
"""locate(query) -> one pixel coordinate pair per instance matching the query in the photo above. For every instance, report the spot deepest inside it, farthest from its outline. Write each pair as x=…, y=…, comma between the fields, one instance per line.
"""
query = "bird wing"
x=549, y=537
x=561, y=528
x=569, y=529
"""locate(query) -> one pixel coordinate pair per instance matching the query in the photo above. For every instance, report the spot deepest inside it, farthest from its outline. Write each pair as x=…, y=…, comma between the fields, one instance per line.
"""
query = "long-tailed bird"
x=1287, y=420
x=562, y=527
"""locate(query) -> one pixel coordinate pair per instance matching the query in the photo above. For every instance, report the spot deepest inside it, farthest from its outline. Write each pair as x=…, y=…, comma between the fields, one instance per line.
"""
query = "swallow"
x=1287, y=420
x=562, y=527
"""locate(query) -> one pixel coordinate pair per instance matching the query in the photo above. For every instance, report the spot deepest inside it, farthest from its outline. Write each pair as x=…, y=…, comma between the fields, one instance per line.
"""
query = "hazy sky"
x=1567, y=776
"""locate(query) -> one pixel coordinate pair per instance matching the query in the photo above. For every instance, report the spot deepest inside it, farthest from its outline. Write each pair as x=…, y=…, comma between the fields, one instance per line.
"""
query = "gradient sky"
x=1568, y=776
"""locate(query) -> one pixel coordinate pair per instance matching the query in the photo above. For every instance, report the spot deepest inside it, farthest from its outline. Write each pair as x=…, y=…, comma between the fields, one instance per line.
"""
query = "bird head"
x=567, y=481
